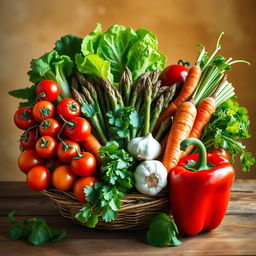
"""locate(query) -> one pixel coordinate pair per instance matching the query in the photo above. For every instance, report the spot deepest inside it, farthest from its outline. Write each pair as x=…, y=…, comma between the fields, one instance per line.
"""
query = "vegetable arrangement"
x=104, y=118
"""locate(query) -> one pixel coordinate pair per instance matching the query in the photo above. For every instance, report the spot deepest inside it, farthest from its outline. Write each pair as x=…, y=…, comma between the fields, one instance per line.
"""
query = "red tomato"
x=23, y=118
x=28, y=139
x=173, y=74
x=78, y=129
x=63, y=178
x=42, y=110
x=52, y=164
x=66, y=152
x=84, y=164
x=46, y=146
x=38, y=178
x=221, y=152
x=68, y=108
x=50, y=127
x=29, y=159
x=79, y=186
x=48, y=90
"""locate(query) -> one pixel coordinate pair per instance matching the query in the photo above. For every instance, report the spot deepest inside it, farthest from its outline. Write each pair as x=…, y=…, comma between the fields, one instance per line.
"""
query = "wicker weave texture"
x=136, y=211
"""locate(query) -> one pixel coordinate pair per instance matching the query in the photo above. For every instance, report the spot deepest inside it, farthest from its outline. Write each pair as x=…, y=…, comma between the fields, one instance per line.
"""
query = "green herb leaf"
x=162, y=231
x=89, y=110
x=28, y=94
x=228, y=125
x=35, y=231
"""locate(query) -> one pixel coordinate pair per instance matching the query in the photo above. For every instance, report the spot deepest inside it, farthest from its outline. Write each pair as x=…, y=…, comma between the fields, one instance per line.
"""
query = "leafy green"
x=54, y=67
x=104, y=199
x=89, y=110
x=121, y=47
x=228, y=125
x=34, y=230
x=91, y=41
x=121, y=121
x=68, y=45
x=93, y=65
x=28, y=94
x=162, y=231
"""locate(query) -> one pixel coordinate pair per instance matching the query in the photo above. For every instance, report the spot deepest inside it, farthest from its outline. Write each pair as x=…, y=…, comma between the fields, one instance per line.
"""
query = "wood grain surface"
x=235, y=236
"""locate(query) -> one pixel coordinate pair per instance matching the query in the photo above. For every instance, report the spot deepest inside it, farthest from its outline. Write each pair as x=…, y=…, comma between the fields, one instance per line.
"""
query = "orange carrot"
x=181, y=127
x=187, y=90
x=92, y=145
x=205, y=110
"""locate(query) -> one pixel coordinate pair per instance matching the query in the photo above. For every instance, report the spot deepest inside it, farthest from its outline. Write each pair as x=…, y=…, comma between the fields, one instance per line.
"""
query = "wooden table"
x=235, y=236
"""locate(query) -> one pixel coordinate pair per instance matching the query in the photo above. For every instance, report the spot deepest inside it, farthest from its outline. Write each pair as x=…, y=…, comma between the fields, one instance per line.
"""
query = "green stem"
x=201, y=163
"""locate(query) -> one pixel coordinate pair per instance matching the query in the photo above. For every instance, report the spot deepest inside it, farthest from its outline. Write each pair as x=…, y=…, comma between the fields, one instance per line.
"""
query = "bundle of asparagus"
x=126, y=110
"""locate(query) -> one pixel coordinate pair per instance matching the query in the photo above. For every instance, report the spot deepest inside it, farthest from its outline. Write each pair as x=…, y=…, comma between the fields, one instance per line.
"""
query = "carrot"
x=205, y=110
x=92, y=145
x=187, y=90
x=181, y=127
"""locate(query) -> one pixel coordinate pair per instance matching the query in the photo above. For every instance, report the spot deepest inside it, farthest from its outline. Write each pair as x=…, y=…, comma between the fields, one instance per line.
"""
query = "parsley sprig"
x=104, y=199
x=229, y=124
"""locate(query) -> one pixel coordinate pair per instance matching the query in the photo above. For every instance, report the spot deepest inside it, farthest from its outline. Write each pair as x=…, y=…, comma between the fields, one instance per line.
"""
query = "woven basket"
x=136, y=211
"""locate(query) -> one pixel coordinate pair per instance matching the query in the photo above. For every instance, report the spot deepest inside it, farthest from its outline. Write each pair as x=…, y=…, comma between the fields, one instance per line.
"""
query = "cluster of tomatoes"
x=51, y=145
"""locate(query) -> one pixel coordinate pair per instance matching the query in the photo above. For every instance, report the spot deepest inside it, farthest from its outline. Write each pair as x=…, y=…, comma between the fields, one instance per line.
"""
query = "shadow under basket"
x=136, y=211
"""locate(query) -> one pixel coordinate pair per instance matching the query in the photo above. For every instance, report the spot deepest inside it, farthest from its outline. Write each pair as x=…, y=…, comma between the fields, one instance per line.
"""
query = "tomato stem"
x=183, y=63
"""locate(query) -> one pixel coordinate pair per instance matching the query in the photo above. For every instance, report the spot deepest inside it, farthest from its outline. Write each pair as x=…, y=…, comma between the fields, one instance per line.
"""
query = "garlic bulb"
x=150, y=177
x=144, y=148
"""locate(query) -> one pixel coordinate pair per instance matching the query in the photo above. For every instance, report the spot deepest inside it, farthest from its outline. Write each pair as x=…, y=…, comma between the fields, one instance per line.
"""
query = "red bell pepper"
x=200, y=189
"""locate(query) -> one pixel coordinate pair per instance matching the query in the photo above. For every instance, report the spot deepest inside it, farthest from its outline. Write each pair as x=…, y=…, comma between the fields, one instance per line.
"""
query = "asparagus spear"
x=93, y=119
x=154, y=76
x=157, y=109
x=155, y=89
x=74, y=83
x=109, y=92
x=136, y=88
x=164, y=127
x=148, y=99
x=168, y=96
x=125, y=85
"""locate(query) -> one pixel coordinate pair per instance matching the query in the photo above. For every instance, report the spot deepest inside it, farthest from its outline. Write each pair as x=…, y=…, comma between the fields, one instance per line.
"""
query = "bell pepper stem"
x=201, y=163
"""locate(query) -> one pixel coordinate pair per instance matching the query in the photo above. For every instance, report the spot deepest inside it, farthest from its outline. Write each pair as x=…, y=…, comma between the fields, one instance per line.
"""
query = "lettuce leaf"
x=94, y=65
x=120, y=47
x=54, y=67
x=68, y=45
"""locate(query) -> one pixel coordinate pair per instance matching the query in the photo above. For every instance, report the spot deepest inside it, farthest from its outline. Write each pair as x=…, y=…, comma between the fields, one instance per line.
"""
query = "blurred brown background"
x=29, y=28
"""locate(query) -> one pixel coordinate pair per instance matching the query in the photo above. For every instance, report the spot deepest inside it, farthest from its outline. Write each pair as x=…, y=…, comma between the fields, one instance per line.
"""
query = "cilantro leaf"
x=162, y=231
x=89, y=110
x=122, y=120
x=34, y=230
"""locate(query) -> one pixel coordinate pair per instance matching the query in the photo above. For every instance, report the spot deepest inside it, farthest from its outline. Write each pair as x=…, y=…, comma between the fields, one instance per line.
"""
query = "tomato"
x=42, y=110
x=38, y=178
x=174, y=74
x=50, y=127
x=84, y=164
x=46, y=146
x=66, y=151
x=78, y=129
x=48, y=90
x=52, y=164
x=29, y=159
x=63, y=178
x=68, y=108
x=23, y=118
x=79, y=186
x=28, y=139
x=221, y=152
